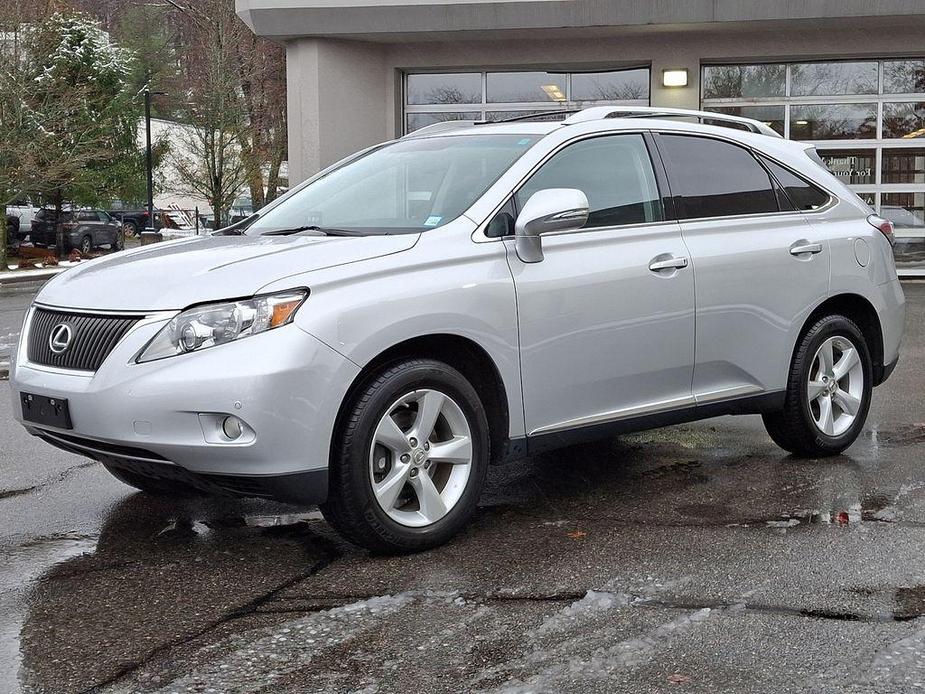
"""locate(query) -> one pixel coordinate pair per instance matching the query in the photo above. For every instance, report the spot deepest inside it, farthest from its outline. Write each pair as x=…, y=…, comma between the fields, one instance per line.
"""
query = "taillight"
x=884, y=225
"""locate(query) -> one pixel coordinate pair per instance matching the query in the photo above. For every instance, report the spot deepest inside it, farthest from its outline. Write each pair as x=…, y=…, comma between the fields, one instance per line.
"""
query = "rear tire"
x=831, y=375
x=86, y=245
x=150, y=485
x=386, y=441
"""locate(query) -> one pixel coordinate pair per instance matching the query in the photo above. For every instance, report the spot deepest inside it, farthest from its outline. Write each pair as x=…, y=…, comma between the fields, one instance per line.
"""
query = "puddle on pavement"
x=20, y=567
x=146, y=537
x=851, y=515
x=903, y=436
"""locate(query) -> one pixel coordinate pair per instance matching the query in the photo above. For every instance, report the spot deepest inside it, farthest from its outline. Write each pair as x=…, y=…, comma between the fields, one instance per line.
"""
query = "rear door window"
x=715, y=178
x=613, y=171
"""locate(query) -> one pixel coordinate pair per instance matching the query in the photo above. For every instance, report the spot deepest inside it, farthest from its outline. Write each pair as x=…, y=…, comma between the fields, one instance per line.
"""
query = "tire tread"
x=344, y=507
x=788, y=427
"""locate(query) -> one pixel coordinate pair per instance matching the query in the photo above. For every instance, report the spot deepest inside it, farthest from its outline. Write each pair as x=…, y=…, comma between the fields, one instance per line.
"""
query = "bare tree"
x=214, y=163
x=209, y=164
x=261, y=70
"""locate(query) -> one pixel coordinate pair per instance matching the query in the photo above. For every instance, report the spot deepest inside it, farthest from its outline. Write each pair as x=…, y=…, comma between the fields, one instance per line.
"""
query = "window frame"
x=879, y=141
x=764, y=159
x=661, y=184
x=756, y=156
x=485, y=108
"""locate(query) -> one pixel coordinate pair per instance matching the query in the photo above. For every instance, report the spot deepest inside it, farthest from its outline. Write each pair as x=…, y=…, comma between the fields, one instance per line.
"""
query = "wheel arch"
x=860, y=310
x=464, y=355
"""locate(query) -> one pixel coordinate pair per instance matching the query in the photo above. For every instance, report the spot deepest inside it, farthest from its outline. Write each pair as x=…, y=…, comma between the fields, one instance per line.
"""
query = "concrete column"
x=337, y=101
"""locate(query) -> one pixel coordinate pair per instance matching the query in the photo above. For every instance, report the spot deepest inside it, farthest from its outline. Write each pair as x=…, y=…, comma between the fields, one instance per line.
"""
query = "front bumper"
x=286, y=385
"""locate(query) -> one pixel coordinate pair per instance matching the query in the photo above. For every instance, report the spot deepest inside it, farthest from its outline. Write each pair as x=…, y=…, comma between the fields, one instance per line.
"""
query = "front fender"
x=446, y=284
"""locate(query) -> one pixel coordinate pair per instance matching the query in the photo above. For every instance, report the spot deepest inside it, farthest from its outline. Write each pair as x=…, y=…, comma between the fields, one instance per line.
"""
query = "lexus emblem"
x=61, y=337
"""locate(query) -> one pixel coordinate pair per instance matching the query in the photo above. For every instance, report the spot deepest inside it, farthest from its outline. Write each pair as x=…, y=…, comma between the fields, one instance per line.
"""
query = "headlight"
x=208, y=325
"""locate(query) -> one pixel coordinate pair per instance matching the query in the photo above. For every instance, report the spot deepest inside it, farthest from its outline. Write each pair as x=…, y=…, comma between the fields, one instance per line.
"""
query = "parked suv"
x=83, y=229
x=469, y=294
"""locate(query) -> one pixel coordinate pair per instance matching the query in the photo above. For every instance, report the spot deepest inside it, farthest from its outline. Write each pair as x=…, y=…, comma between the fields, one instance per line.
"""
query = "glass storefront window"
x=610, y=86
x=420, y=120
x=829, y=79
x=851, y=166
x=517, y=87
x=461, y=88
x=904, y=77
x=904, y=120
x=770, y=115
x=905, y=210
x=833, y=122
x=495, y=116
x=877, y=107
x=903, y=165
x=743, y=81
x=436, y=97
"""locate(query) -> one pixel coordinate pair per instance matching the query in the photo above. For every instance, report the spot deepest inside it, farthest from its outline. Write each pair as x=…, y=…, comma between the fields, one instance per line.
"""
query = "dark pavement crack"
x=329, y=554
x=316, y=603
x=60, y=477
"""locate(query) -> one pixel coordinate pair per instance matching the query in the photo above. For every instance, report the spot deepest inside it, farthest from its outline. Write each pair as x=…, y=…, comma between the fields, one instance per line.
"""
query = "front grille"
x=93, y=338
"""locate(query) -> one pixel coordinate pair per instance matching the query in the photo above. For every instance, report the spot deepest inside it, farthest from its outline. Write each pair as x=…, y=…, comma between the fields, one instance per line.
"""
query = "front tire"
x=86, y=245
x=410, y=458
x=828, y=391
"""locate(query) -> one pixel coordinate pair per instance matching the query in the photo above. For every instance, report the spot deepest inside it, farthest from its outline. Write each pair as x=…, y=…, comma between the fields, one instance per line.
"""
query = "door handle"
x=801, y=247
x=668, y=264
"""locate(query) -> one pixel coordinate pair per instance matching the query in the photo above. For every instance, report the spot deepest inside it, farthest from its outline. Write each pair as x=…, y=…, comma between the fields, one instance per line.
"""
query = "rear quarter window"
x=801, y=193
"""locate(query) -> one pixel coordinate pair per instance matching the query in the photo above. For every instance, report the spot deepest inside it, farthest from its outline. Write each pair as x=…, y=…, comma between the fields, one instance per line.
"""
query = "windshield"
x=406, y=187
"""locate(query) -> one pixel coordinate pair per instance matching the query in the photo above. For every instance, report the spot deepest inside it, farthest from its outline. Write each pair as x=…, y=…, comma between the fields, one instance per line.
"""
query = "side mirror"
x=548, y=211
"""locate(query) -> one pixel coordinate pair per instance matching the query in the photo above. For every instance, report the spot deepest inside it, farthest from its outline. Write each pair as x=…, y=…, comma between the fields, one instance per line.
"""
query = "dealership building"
x=847, y=76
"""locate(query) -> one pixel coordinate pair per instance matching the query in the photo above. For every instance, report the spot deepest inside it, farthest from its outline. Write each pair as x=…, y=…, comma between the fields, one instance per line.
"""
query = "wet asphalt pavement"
x=698, y=558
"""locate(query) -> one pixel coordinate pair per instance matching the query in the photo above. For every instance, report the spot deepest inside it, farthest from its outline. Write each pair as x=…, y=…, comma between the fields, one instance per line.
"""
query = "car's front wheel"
x=410, y=458
x=828, y=391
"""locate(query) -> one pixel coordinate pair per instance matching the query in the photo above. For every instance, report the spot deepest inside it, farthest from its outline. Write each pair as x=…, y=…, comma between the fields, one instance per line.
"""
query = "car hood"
x=176, y=274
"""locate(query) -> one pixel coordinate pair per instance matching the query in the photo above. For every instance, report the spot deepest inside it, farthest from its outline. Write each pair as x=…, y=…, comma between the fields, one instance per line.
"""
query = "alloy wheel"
x=835, y=389
x=420, y=459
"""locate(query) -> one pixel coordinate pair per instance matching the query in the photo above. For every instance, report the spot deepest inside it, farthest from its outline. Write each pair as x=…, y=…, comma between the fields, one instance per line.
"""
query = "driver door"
x=607, y=317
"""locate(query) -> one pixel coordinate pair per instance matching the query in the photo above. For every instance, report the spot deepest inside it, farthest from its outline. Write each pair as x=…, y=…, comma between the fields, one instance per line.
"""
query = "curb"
x=17, y=277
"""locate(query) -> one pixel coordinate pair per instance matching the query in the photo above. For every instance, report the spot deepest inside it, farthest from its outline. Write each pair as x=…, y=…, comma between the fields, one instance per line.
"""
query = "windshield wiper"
x=327, y=231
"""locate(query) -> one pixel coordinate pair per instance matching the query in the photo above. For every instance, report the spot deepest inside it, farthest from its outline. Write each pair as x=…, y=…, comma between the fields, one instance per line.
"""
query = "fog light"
x=232, y=427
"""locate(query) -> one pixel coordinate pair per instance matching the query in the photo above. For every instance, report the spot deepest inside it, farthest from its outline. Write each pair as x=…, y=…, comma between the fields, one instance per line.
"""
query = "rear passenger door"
x=759, y=266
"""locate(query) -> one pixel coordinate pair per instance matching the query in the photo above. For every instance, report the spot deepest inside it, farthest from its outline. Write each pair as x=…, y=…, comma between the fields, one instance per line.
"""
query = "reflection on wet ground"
x=698, y=558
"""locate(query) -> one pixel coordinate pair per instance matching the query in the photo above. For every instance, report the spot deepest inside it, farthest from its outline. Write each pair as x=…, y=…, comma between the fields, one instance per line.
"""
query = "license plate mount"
x=41, y=409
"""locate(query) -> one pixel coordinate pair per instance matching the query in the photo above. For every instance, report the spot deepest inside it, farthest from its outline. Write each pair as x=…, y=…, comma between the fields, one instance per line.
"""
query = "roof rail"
x=529, y=116
x=601, y=112
x=440, y=127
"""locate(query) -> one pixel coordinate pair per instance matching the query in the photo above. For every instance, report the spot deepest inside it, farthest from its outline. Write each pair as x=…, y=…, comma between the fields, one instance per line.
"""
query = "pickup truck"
x=135, y=220
x=23, y=212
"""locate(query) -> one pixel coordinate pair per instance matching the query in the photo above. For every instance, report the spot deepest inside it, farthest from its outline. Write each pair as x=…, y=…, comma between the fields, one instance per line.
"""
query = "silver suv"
x=469, y=294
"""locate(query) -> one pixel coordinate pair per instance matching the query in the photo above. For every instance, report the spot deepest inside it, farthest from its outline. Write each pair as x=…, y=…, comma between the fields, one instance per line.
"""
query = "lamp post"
x=150, y=233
